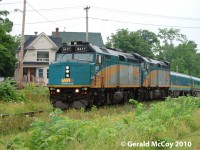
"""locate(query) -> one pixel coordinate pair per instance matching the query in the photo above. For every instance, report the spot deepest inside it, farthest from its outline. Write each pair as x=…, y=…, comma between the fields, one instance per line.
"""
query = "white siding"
x=41, y=43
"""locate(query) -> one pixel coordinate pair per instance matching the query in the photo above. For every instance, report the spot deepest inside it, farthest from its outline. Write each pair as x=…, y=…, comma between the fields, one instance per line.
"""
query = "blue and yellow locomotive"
x=84, y=75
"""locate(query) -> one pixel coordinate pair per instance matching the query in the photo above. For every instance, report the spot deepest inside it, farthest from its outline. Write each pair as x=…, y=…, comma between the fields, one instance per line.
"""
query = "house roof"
x=93, y=38
x=30, y=38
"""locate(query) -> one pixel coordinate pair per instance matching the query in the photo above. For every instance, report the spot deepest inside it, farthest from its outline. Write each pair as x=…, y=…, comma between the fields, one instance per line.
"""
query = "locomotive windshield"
x=75, y=56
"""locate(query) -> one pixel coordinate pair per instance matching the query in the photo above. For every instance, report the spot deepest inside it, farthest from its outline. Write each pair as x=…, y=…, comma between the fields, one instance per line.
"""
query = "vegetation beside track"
x=13, y=102
x=31, y=98
x=104, y=128
x=168, y=121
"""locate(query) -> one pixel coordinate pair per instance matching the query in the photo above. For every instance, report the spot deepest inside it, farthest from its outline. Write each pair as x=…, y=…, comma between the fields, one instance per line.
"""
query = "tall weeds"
x=8, y=92
x=165, y=121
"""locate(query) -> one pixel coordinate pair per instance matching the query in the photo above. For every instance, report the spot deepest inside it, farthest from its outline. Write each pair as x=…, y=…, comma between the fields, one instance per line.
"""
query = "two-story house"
x=39, y=51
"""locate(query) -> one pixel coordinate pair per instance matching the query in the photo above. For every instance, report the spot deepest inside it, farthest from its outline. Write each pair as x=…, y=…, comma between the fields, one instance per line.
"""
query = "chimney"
x=57, y=32
x=36, y=33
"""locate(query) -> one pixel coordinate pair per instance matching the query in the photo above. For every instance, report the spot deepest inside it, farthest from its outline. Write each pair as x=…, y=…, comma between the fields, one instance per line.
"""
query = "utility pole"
x=21, y=53
x=87, y=8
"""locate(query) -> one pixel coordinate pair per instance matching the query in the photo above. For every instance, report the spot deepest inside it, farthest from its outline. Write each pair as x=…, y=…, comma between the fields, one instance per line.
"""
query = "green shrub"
x=103, y=132
x=8, y=92
x=32, y=92
x=163, y=116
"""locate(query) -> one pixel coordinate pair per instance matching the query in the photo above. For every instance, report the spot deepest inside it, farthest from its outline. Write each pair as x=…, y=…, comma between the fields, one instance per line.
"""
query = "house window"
x=47, y=73
x=42, y=56
x=40, y=73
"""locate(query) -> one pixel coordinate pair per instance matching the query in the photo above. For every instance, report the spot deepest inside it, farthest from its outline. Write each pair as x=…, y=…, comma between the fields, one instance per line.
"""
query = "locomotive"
x=84, y=75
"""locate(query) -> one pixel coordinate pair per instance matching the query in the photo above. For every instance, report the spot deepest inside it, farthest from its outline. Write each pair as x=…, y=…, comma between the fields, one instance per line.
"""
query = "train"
x=84, y=75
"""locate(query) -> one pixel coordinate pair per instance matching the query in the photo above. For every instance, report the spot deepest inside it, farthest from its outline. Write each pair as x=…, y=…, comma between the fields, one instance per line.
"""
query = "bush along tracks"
x=162, y=123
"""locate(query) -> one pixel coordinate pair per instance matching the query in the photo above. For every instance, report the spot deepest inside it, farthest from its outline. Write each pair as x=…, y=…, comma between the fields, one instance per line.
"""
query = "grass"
x=101, y=128
x=194, y=138
x=100, y=112
x=11, y=126
x=20, y=107
x=31, y=98
x=105, y=128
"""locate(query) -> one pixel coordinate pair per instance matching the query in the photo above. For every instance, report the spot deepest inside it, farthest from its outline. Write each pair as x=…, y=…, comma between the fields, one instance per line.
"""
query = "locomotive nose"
x=79, y=73
x=70, y=73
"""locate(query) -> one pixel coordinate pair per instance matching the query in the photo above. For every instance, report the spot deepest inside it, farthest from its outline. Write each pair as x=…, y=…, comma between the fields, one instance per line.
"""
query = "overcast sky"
x=106, y=16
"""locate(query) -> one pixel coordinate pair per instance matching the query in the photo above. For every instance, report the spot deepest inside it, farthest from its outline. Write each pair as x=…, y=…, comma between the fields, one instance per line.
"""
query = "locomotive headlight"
x=67, y=72
x=77, y=90
x=67, y=75
x=58, y=90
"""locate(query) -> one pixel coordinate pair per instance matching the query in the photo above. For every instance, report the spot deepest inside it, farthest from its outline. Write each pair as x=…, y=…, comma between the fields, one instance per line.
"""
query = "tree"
x=168, y=38
x=180, y=52
x=141, y=41
x=8, y=45
x=187, y=53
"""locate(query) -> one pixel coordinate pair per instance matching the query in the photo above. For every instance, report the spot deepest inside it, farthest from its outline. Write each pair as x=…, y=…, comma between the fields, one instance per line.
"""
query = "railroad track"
x=30, y=114
x=33, y=113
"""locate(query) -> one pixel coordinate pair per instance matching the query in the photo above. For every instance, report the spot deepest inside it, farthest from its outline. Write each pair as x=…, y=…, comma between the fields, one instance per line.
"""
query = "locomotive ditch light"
x=58, y=90
x=77, y=90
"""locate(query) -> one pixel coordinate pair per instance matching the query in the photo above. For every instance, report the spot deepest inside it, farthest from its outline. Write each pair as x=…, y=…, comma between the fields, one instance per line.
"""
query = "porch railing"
x=37, y=80
x=42, y=59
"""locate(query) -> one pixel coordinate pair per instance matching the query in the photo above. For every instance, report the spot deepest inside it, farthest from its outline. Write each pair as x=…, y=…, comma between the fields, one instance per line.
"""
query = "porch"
x=30, y=76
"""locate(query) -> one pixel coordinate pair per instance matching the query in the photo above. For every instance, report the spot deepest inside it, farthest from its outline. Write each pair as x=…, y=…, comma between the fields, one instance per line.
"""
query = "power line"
x=147, y=15
x=43, y=16
x=76, y=24
x=54, y=9
x=10, y=3
x=143, y=23
x=122, y=12
x=52, y=20
x=117, y=21
x=59, y=8
x=118, y=11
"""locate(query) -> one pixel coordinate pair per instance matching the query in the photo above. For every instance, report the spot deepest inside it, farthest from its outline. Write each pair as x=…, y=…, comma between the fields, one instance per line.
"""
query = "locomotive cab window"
x=147, y=66
x=108, y=57
x=142, y=65
x=84, y=56
x=75, y=56
x=98, y=59
x=121, y=58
